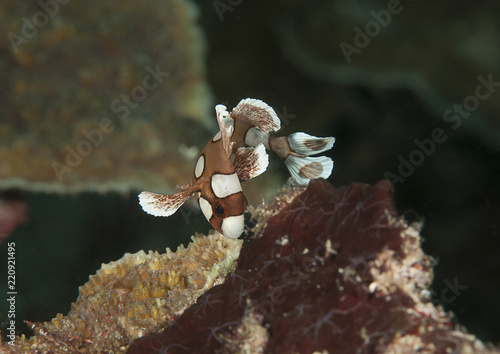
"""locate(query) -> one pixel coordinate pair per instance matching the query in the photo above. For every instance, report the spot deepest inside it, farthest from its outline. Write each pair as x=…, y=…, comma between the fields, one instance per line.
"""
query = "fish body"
x=220, y=198
x=238, y=153
x=216, y=182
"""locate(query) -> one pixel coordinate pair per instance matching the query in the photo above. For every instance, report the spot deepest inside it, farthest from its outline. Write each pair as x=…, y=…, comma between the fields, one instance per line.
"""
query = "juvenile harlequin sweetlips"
x=217, y=176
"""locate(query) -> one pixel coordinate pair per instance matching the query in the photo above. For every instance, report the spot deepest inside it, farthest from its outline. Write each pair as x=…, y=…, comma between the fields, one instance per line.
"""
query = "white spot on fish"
x=200, y=166
x=225, y=185
x=217, y=136
x=232, y=226
x=205, y=207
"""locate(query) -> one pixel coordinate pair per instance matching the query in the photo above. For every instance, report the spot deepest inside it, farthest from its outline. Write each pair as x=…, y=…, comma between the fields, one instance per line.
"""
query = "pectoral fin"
x=250, y=162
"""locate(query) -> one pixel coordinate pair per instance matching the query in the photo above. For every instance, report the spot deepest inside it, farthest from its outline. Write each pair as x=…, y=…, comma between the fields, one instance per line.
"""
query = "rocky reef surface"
x=334, y=270
x=324, y=269
x=136, y=295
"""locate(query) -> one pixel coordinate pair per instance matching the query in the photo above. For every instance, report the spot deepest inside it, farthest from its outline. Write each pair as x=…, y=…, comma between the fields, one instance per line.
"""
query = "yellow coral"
x=136, y=295
x=67, y=114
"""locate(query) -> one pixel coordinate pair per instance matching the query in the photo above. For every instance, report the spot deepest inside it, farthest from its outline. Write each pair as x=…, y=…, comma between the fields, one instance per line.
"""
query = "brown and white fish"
x=254, y=121
x=246, y=133
x=216, y=181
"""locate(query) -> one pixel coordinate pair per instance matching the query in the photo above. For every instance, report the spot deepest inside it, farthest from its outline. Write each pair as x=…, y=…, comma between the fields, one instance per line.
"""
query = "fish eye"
x=219, y=209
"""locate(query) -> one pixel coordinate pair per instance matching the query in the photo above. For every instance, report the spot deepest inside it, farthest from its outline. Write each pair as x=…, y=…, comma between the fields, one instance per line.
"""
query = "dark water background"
x=384, y=103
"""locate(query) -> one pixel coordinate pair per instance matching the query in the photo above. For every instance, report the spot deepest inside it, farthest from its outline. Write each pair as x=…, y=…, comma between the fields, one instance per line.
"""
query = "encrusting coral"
x=335, y=270
x=97, y=94
x=13, y=212
x=327, y=270
x=136, y=295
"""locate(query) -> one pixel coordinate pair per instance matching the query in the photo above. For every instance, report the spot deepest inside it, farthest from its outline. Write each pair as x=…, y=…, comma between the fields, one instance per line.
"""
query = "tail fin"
x=303, y=169
x=306, y=144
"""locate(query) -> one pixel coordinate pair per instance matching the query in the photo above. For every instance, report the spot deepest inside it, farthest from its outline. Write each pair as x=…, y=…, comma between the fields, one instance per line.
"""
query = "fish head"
x=223, y=205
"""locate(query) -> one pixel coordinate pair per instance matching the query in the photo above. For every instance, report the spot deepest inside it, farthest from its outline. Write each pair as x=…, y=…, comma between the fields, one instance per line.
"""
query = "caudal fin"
x=306, y=144
x=303, y=169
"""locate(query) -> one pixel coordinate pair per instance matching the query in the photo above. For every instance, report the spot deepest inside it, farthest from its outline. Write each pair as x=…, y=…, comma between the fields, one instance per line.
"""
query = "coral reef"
x=325, y=270
x=97, y=94
x=136, y=295
x=335, y=270
x=13, y=212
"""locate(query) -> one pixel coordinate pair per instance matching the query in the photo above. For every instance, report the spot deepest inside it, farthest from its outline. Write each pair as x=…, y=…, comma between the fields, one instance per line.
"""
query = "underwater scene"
x=232, y=176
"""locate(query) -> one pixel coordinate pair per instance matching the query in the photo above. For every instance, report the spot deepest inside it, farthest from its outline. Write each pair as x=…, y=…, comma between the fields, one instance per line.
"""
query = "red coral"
x=310, y=278
x=12, y=214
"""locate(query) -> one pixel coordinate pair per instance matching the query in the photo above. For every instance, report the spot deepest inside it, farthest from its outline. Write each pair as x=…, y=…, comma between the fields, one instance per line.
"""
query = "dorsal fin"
x=225, y=132
x=166, y=205
x=258, y=114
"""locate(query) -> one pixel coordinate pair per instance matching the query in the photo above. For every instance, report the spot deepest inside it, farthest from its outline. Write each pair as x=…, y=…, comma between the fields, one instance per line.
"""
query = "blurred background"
x=100, y=102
